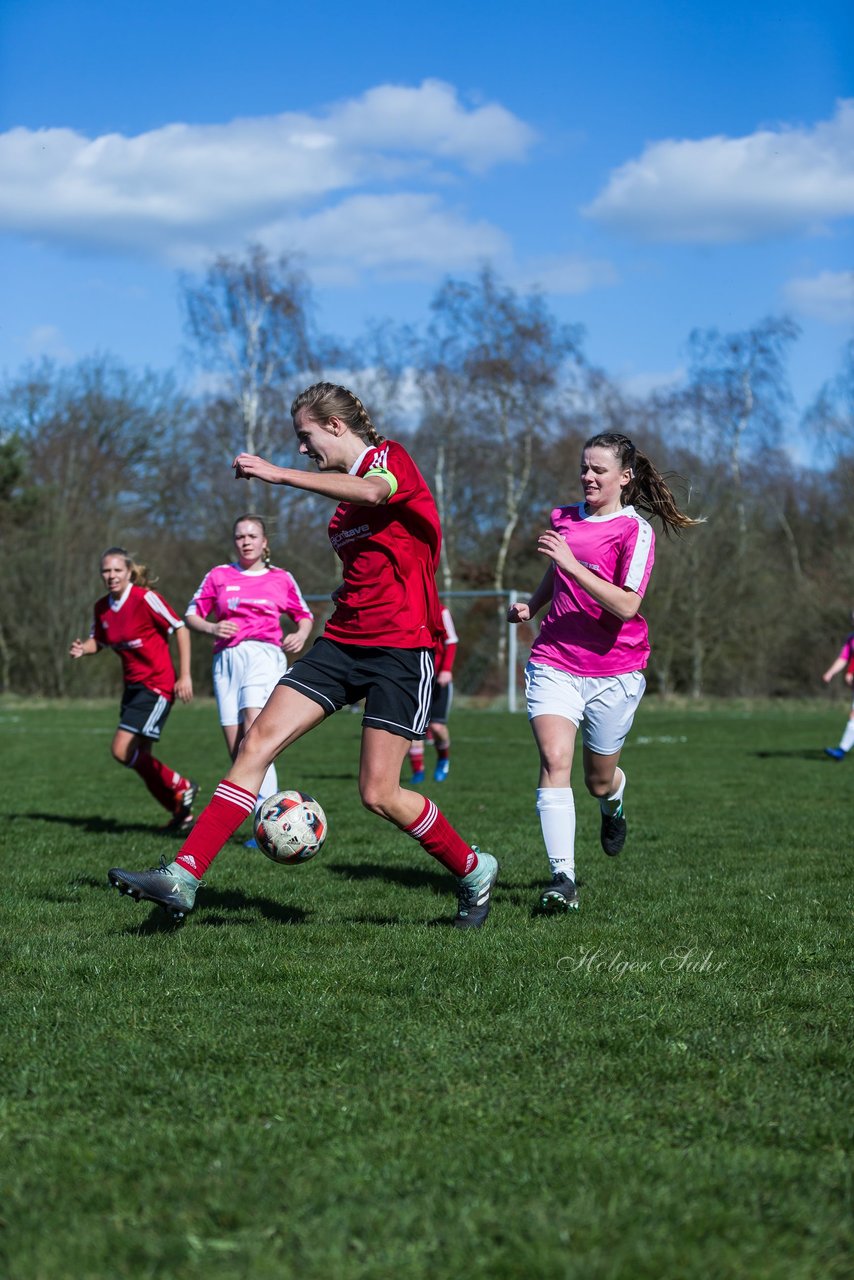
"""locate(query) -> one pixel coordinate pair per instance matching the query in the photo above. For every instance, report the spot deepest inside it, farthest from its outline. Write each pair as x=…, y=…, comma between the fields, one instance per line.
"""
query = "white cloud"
x=643, y=384
x=568, y=275
x=180, y=192
x=719, y=190
x=47, y=340
x=828, y=296
x=399, y=235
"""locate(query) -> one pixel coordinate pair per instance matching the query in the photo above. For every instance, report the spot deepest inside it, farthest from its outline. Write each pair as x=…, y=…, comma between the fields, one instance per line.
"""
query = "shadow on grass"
x=221, y=909
x=800, y=753
x=412, y=878
x=98, y=826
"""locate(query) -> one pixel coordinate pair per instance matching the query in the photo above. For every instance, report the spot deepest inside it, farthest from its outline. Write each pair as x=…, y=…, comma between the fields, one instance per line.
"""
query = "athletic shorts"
x=440, y=707
x=396, y=684
x=143, y=711
x=245, y=675
x=603, y=706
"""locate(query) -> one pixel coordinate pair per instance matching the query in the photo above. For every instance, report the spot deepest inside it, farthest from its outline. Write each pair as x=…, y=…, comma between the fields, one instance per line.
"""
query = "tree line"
x=495, y=397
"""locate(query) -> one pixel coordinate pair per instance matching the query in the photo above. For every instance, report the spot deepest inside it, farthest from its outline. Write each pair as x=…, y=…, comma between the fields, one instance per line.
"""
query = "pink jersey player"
x=844, y=662
x=586, y=666
x=241, y=605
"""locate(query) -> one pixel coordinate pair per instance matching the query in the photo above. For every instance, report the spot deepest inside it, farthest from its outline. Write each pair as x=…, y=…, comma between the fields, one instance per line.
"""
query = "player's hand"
x=849, y=677
x=292, y=643
x=226, y=629
x=443, y=678
x=248, y=466
x=184, y=689
x=551, y=544
x=519, y=612
x=76, y=650
x=827, y=677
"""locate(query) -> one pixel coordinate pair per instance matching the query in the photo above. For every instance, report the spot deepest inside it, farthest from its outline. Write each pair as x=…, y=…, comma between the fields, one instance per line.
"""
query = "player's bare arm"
x=365, y=491
x=222, y=630
x=184, y=683
x=523, y=611
x=616, y=599
x=80, y=648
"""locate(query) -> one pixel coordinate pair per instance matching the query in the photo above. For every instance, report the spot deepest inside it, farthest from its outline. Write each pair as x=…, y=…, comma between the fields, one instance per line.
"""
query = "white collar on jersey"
x=611, y=515
x=354, y=470
x=115, y=605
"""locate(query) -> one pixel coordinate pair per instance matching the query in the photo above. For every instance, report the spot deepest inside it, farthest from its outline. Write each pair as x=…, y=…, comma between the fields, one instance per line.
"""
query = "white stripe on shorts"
x=425, y=693
x=151, y=722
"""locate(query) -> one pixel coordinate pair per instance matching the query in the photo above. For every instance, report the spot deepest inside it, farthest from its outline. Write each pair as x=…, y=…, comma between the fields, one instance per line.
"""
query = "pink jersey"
x=255, y=601
x=137, y=627
x=846, y=653
x=578, y=634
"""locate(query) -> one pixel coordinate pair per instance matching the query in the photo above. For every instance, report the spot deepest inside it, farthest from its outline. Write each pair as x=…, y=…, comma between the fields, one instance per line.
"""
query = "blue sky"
x=654, y=167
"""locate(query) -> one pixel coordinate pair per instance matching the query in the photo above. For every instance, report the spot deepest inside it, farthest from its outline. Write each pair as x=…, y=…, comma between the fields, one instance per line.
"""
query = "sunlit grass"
x=315, y=1077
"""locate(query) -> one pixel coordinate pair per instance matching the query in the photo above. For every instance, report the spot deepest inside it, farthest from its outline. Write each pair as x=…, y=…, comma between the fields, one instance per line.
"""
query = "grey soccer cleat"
x=475, y=892
x=169, y=886
x=560, y=896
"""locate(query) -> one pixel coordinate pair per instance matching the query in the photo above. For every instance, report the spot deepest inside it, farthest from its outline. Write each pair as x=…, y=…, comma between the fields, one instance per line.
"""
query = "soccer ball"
x=290, y=827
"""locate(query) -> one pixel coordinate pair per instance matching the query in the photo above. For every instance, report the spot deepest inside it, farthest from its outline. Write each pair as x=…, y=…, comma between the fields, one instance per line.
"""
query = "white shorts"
x=244, y=676
x=603, y=706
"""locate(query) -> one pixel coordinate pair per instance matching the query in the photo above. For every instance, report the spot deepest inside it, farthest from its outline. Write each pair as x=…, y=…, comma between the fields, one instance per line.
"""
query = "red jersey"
x=389, y=556
x=137, y=627
x=446, y=645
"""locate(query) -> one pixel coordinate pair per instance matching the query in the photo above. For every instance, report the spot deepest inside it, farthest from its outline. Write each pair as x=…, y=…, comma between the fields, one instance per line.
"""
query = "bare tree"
x=94, y=438
x=249, y=320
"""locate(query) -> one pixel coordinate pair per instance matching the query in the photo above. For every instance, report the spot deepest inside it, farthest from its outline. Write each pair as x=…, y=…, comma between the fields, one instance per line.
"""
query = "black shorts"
x=440, y=707
x=143, y=711
x=395, y=683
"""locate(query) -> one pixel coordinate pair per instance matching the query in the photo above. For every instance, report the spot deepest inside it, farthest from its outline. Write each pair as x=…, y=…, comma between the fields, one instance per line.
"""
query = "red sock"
x=416, y=757
x=228, y=807
x=162, y=782
x=438, y=838
x=443, y=753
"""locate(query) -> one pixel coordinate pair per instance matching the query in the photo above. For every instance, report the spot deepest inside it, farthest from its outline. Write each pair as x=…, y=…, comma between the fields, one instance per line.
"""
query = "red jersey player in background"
x=440, y=706
x=377, y=646
x=136, y=622
x=843, y=662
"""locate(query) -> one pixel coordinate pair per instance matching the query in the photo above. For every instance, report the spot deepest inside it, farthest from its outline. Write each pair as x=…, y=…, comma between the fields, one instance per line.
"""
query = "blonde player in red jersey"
x=377, y=646
x=136, y=622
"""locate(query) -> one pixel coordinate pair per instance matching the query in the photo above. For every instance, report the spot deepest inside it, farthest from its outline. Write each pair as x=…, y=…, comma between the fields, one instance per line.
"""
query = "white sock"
x=846, y=742
x=556, y=807
x=611, y=804
x=270, y=784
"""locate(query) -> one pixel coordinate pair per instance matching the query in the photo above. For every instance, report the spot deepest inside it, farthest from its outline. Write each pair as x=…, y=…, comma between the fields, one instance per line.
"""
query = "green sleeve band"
x=383, y=475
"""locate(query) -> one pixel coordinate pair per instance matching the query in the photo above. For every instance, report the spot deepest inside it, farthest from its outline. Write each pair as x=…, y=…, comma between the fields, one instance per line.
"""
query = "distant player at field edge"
x=843, y=662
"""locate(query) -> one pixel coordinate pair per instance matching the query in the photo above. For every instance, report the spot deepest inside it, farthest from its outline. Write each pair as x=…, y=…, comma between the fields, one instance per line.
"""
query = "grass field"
x=315, y=1078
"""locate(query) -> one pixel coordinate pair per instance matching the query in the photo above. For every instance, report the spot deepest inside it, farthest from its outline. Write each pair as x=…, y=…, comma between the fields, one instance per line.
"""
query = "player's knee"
x=375, y=797
x=599, y=786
